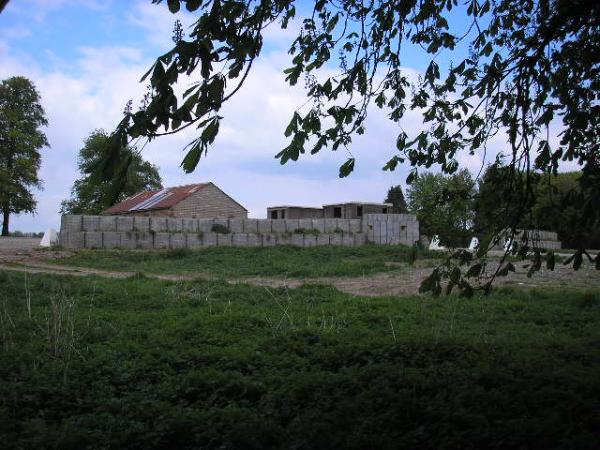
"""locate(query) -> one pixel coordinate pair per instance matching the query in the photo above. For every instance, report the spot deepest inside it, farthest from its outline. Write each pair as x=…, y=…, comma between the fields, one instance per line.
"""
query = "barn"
x=201, y=200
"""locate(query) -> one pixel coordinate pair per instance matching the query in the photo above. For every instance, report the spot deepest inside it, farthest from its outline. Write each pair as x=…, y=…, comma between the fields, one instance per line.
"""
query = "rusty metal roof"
x=157, y=199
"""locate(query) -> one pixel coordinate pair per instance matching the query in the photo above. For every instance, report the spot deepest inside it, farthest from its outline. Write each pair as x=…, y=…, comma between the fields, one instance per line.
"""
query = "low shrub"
x=220, y=229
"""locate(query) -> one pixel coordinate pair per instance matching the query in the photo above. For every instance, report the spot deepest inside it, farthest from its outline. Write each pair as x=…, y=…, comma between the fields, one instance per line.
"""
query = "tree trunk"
x=6, y=215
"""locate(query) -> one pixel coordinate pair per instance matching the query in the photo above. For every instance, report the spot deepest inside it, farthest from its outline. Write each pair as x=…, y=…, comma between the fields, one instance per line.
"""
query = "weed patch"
x=142, y=363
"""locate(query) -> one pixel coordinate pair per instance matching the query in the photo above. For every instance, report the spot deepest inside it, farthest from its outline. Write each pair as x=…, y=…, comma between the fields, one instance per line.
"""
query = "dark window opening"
x=337, y=212
x=283, y=213
x=359, y=211
x=384, y=211
x=274, y=214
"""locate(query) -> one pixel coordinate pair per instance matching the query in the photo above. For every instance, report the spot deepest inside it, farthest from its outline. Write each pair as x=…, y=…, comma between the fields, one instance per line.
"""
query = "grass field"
x=266, y=261
x=141, y=363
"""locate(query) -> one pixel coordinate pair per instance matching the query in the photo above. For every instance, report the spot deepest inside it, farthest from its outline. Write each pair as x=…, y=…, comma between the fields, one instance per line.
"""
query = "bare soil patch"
x=24, y=257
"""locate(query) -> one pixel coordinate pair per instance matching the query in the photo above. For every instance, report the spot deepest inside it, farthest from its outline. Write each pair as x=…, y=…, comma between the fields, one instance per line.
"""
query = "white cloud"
x=91, y=91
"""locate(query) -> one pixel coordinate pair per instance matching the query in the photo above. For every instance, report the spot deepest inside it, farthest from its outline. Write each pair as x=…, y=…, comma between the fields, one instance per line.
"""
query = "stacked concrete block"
x=284, y=239
x=178, y=240
x=205, y=225
x=250, y=225
x=162, y=240
x=323, y=239
x=348, y=240
x=330, y=225
x=111, y=239
x=174, y=225
x=209, y=239
x=93, y=239
x=239, y=239
x=158, y=224
x=310, y=240
x=107, y=223
x=355, y=225
x=335, y=239
x=224, y=240
x=162, y=232
x=344, y=225
x=291, y=225
x=380, y=228
x=144, y=240
x=221, y=222
x=278, y=226
x=269, y=240
x=90, y=223
x=265, y=226
x=128, y=240
x=190, y=225
x=236, y=225
x=305, y=224
x=298, y=240
x=141, y=224
x=360, y=239
x=370, y=230
x=318, y=224
x=124, y=223
x=193, y=241
x=72, y=239
x=70, y=222
x=254, y=240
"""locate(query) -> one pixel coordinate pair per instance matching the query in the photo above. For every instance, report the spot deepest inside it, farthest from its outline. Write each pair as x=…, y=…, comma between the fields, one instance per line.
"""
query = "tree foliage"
x=550, y=203
x=505, y=197
x=395, y=196
x=527, y=63
x=443, y=205
x=555, y=209
x=90, y=194
x=521, y=69
x=21, y=117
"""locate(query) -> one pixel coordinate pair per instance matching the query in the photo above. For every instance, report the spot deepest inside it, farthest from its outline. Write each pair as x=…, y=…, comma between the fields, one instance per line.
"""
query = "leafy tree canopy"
x=92, y=195
x=525, y=70
x=395, y=196
x=443, y=205
x=555, y=208
x=504, y=196
x=525, y=64
x=21, y=117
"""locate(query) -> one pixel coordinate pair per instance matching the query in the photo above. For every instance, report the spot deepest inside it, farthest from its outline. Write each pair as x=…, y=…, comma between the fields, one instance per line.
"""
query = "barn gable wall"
x=208, y=203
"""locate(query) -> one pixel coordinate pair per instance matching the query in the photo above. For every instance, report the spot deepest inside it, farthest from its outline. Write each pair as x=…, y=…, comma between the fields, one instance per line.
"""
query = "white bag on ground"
x=50, y=238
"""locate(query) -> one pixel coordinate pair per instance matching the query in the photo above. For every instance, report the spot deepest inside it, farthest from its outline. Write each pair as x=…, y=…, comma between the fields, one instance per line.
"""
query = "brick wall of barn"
x=207, y=203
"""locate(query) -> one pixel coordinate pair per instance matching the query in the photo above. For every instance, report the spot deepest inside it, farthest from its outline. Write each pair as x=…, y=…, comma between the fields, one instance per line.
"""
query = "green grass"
x=277, y=261
x=140, y=363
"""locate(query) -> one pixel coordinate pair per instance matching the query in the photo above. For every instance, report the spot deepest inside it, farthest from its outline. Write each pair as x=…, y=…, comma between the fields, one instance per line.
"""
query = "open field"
x=141, y=363
x=280, y=261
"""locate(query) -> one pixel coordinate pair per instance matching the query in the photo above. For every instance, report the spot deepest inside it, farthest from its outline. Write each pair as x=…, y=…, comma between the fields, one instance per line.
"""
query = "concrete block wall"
x=535, y=238
x=133, y=232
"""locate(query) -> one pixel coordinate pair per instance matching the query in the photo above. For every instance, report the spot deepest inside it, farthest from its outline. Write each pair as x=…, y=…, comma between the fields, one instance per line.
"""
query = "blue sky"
x=86, y=58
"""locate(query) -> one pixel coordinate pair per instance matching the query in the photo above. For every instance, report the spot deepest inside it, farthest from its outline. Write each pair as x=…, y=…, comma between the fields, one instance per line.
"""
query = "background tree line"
x=457, y=207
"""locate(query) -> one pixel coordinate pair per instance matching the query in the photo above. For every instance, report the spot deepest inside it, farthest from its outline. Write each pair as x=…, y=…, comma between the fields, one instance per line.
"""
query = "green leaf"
x=210, y=132
x=431, y=284
x=192, y=158
x=174, y=5
x=475, y=270
x=193, y=5
x=347, y=168
x=508, y=267
x=550, y=261
x=578, y=260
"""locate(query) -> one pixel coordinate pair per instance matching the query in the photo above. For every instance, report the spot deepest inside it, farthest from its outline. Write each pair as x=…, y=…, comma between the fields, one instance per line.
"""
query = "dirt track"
x=24, y=257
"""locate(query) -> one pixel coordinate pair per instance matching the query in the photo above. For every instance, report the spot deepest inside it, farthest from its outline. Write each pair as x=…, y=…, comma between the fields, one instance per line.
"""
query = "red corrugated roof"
x=174, y=195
